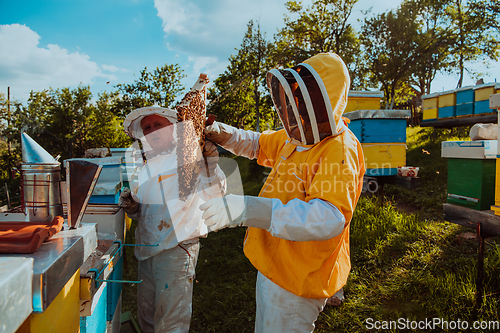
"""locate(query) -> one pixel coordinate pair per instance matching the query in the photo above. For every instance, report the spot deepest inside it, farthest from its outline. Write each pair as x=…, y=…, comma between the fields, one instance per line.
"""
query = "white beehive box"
x=480, y=149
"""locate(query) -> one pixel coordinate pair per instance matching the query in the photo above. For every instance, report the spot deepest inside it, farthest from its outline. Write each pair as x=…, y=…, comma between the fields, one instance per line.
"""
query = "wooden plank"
x=457, y=122
x=490, y=223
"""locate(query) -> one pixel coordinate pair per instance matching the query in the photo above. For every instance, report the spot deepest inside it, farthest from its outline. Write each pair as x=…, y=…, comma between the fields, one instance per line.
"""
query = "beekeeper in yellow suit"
x=298, y=235
x=169, y=227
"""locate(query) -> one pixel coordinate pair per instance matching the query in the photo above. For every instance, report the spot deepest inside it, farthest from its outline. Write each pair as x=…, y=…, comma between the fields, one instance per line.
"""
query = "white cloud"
x=113, y=68
x=208, y=32
x=208, y=65
x=216, y=27
x=178, y=16
x=24, y=66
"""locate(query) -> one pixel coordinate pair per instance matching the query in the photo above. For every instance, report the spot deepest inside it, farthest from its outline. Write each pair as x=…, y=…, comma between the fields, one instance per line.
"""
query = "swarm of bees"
x=191, y=116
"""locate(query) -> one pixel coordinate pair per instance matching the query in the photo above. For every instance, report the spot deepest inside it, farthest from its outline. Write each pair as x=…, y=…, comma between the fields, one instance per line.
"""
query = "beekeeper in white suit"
x=298, y=235
x=168, y=228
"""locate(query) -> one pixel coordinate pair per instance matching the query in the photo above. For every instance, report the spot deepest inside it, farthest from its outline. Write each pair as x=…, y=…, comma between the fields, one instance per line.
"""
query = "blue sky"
x=61, y=43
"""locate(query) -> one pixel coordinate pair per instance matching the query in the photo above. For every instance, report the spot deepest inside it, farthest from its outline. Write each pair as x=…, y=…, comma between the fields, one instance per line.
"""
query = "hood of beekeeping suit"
x=311, y=97
x=132, y=123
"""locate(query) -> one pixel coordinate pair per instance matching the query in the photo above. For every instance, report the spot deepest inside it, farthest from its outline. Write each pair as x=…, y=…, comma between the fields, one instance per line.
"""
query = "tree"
x=323, y=27
x=160, y=87
x=65, y=122
x=233, y=99
x=400, y=49
x=492, y=11
x=474, y=29
x=69, y=121
x=107, y=129
x=434, y=39
x=8, y=140
x=253, y=53
x=240, y=91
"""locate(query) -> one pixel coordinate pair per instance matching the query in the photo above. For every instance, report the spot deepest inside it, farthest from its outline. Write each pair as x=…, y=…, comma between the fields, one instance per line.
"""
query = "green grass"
x=404, y=265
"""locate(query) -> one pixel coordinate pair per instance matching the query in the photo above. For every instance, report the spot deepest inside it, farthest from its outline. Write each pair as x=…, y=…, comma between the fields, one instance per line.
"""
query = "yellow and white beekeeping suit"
x=302, y=250
x=313, y=158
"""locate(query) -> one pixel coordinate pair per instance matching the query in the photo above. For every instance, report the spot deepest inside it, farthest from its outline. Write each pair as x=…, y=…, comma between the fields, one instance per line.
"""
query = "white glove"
x=238, y=141
x=235, y=210
x=211, y=156
x=219, y=133
x=129, y=202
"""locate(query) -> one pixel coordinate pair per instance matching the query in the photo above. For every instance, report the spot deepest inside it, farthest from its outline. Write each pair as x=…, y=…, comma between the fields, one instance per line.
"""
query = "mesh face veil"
x=302, y=103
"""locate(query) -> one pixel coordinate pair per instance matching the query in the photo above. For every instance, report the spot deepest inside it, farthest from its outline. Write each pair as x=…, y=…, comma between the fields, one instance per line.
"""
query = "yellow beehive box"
x=496, y=209
x=62, y=315
x=447, y=98
x=363, y=100
x=497, y=183
x=483, y=91
x=430, y=101
x=430, y=113
x=384, y=155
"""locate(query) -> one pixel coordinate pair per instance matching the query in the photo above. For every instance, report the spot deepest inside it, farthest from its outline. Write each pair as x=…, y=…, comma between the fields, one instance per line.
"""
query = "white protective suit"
x=167, y=234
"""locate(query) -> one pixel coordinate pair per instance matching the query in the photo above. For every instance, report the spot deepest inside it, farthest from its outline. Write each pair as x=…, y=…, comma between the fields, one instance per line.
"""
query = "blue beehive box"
x=465, y=101
x=447, y=111
x=381, y=172
x=115, y=289
x=96, y=323
x=482, y=107
x=464, y=109
x=378, y=126
x=465, y=95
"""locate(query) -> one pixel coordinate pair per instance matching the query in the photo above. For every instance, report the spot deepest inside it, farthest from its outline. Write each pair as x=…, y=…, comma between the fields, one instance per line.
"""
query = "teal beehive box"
x=465, y=101
x=379, y=126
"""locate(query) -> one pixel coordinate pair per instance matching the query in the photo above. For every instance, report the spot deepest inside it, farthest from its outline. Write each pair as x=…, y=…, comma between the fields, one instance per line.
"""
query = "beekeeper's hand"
x=235, y=210
x=211, y=156
x=238, y=141
x=129, y=202
x=219, y=133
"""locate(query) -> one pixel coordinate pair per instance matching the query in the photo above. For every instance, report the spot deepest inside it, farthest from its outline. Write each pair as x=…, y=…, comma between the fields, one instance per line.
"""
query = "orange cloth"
x=26, y=237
